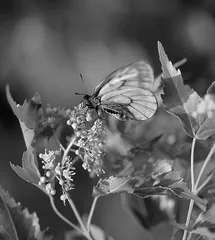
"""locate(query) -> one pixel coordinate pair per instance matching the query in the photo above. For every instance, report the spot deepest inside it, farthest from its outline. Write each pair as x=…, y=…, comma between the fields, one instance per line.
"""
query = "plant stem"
x=62, y=217
x=72, y=205
x=192, y=164
x=189, y=214
x=207, y=180
x=83, y=229
x=204, y=166
x=194, y=186
x=188, y=218
x=67, y=150
x=91, y=212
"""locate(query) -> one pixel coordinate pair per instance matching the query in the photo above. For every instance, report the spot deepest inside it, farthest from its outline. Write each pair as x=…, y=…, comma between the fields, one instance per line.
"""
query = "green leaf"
x=205, y=224
x=29, y=170
x=112, y=185
x=96, y=232
x=164, y=180
x=211, y=89
x=149, y=212
x=155, y=178
x=30, y=116
x=182, y=101
x=17, y=223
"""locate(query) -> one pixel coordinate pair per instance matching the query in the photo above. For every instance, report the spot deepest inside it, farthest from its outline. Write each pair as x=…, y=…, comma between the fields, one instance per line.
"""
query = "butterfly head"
x=91, y=101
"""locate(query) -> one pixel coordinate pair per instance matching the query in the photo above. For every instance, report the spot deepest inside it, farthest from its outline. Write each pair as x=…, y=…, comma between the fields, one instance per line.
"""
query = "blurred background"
x=45, y=45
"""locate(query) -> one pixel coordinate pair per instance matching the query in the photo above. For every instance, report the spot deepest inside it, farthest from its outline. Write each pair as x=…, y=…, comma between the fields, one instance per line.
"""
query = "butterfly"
x=126, y=93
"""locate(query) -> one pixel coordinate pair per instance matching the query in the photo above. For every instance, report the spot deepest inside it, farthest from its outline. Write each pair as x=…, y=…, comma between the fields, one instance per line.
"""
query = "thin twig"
x=91, y=212
x=62, y=217
x=204, y=166
x=192, y=164
x=195, y=188
x=188, y=218
x=67, y=150
x=207, y=180
x=72, y=205
x=189, y=214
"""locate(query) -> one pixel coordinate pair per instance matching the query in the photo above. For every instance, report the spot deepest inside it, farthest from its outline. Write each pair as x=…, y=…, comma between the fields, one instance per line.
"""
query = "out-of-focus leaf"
x=37, y=121
x=17, y=223
x=149, y=212
x=164, y=180
x=154, y=178
x=182, y=101
x=96, y=232
x=29, y=170
x=205, y=224
x=211, y=90
x=30, y=116
x=112, y=185
x=210, y=169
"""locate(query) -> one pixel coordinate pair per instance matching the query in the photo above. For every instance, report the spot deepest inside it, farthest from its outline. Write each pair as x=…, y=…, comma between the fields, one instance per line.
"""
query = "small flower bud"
x=48, y=174
x=61, y=182
x=63, y=197
x=42, y=179
x=53, y=192
x=77, y=152
x=68, y=122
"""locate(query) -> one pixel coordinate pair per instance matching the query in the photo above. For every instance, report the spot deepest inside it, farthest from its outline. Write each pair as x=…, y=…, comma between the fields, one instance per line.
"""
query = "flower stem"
x=188, y=218
x=67, y=150
x=204, y=166
x=72, y=205
x=62, y=217
x=192, y=164
x=194, y=185
x=91, y=212
x=189, y=214
x=207, y=180
x=83, y=229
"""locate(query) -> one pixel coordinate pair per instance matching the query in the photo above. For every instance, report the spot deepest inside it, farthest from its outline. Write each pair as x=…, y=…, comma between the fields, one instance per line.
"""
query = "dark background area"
x=45, y=45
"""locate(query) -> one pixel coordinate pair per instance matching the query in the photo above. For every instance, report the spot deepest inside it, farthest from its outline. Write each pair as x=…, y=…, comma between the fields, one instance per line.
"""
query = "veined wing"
x=133, y=103
x=139, y=75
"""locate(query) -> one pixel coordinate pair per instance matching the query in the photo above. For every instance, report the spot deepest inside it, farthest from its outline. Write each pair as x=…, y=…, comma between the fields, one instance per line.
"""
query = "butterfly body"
x=126, y=93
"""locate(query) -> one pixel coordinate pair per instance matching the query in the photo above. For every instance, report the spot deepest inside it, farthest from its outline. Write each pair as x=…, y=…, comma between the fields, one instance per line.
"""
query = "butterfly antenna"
x=82, y=94
x=82, y=79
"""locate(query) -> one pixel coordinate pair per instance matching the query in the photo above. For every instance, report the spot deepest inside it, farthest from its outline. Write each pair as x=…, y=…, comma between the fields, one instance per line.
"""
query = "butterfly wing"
x=126, y=93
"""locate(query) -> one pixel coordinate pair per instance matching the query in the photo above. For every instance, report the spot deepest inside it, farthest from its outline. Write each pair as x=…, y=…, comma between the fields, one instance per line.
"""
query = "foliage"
x=17, y=223
x=157, y=168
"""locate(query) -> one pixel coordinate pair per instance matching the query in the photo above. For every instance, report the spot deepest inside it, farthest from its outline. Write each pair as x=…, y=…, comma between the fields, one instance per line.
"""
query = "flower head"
x=90, y=133
x=63, y=171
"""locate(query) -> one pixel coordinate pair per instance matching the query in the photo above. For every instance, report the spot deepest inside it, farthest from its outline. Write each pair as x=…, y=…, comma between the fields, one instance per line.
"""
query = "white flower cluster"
x=62, y=170
x=206, y=106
